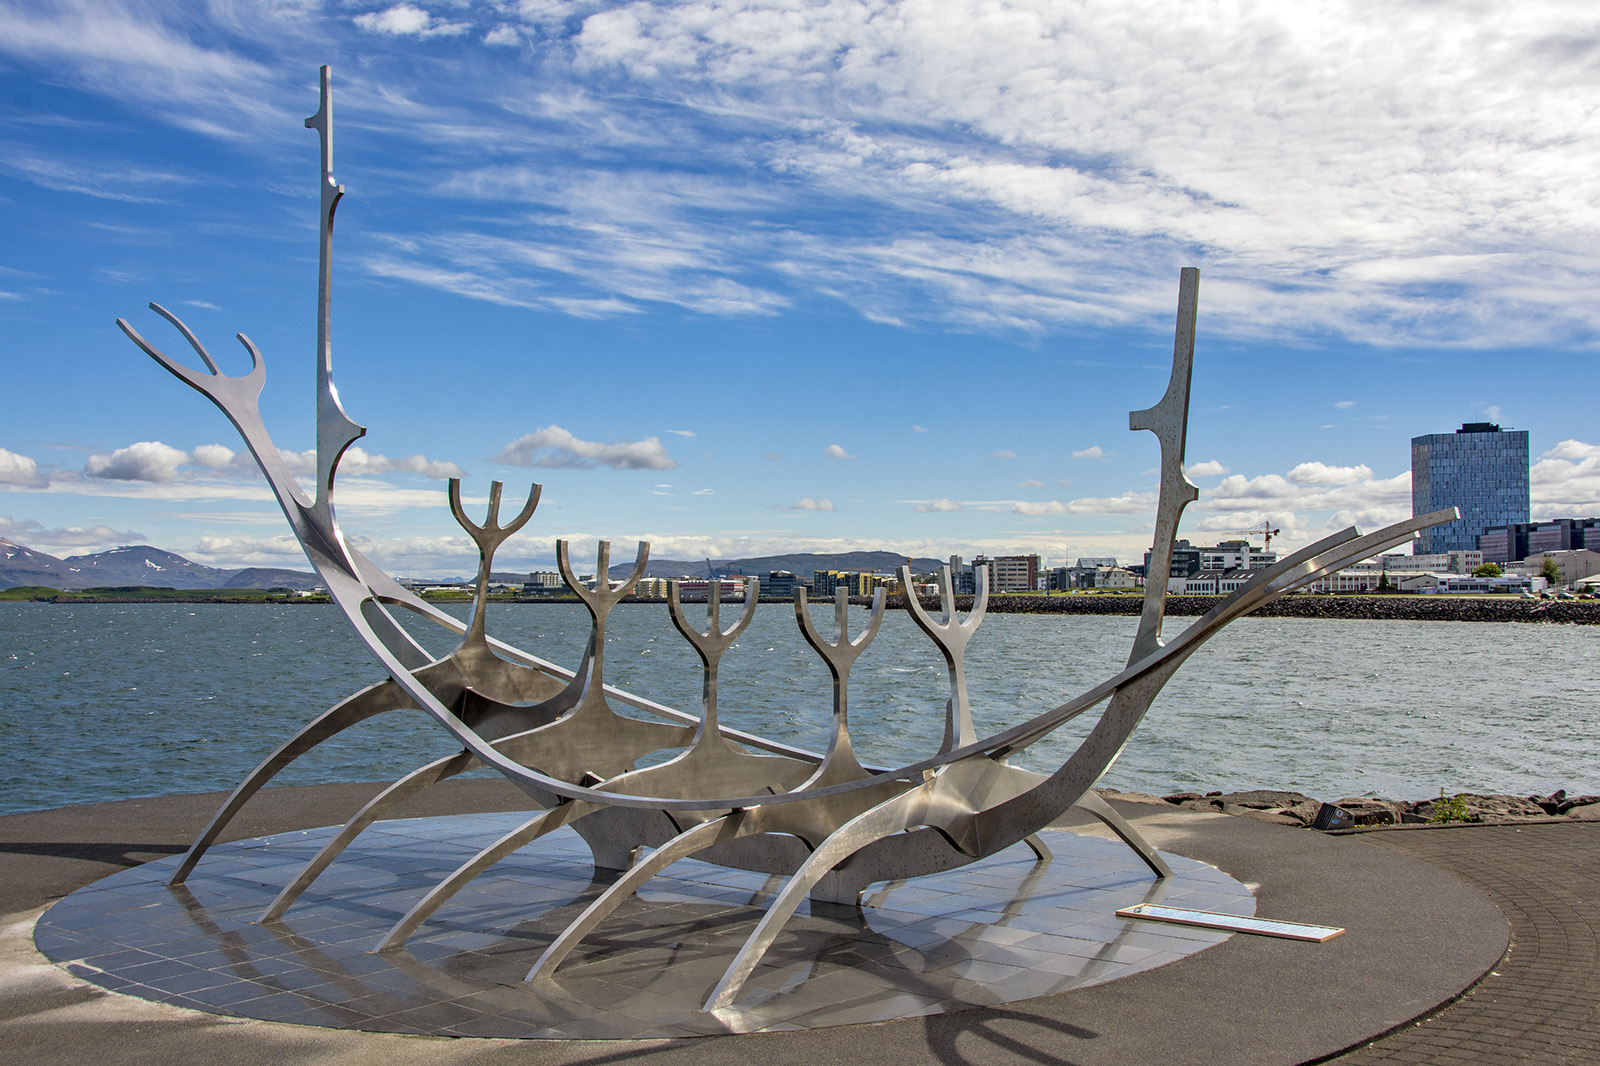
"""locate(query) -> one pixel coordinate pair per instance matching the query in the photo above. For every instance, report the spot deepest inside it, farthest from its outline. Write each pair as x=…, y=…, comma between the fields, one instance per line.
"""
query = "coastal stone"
x=1305, y=812
x=1498, y=807
x=1551, y=803
x=1588, y=812
x=1131, y=797
x=1368, y=811
x=1182, y=797
x=1261, y=815
x=1265, y=798
x=1570, y=802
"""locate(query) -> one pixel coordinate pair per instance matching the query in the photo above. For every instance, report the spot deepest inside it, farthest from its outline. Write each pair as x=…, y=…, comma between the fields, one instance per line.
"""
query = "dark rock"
x=1182, y=797
x=1569, y=802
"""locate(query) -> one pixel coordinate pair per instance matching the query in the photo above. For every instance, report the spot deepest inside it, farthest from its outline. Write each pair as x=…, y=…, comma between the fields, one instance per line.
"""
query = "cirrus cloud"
x=806, y=503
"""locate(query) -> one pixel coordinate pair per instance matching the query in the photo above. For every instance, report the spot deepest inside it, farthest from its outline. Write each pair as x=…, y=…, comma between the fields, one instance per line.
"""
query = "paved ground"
x=1417, y=904
x=1542, y=1003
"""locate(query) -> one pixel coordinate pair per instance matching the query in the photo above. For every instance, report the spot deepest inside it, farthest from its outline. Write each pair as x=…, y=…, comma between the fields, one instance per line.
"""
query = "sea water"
x=108, y=701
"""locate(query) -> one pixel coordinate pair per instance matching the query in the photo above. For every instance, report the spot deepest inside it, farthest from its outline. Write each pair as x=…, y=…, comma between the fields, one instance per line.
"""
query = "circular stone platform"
x=998, y=931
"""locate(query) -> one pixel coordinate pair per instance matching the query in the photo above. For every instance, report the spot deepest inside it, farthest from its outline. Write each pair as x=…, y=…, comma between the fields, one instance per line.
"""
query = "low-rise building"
x=543, y=583
x=1453, y=562
x=782, y=583
x=1574, y=565
x=1349, y=580
x=1217, y=582
x=651, y=588
x=1236, y=554
x=1517, y=541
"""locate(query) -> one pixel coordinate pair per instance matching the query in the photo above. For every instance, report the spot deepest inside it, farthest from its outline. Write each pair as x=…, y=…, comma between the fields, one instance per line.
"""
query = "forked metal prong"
x=951, y=634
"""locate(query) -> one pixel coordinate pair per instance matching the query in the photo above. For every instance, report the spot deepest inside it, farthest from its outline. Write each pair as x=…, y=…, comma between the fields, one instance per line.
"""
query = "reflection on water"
x=105, y=701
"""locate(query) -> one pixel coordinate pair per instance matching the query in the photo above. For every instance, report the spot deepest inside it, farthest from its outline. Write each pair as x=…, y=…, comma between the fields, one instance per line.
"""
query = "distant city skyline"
x=742, y=279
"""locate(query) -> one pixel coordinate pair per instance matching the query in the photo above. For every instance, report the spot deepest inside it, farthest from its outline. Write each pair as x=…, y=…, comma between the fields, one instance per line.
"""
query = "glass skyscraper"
x=1479, y=468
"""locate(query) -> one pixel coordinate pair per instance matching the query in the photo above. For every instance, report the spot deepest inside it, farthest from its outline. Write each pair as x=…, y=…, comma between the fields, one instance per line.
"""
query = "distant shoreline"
x=1401, y=608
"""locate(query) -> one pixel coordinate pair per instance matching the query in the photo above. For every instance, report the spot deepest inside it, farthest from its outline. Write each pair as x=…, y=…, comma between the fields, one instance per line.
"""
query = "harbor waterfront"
x=110, y=701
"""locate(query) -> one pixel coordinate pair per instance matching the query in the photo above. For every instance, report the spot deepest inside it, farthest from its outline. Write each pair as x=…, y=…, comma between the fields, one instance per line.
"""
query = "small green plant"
x=1449, y=809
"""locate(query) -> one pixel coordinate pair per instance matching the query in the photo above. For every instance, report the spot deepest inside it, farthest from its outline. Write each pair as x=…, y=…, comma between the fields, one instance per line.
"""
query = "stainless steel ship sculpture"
x=824, y=821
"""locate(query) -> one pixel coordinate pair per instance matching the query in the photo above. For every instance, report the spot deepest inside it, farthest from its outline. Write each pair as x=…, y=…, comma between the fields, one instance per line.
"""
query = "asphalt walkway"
x=1541, y=1004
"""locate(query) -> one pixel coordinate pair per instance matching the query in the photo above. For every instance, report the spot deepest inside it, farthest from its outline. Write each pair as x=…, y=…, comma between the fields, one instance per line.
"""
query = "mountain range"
x=138, y=564
x=142, y=564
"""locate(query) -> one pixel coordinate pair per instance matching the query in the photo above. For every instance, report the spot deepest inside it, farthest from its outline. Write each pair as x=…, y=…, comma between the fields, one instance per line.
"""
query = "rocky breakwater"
x=1355, y=812
x=1399, y=608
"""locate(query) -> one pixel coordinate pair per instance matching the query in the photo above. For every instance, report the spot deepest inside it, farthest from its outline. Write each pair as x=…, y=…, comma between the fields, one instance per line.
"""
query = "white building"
x=1236, y=555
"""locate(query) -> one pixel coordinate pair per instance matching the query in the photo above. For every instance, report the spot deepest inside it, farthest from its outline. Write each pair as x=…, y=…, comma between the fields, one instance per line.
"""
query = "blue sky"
x=741, y=278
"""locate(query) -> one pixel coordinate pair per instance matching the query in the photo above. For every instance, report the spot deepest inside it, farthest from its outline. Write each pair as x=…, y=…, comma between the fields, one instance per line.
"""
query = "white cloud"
x=553, y=446
x=1565, y=482
x=1343, y=404
x=1027, y=507
x=681, y=432
x=834, y=451
x=1209, y=468
x=282, y=550
x=919, y=429
x=806, y=503
x=938, y=506
x=152, y=461
x=1094, y=451
x=1463, y=183
x=213, y=456
x=357, y=462
x=1030, y=484
x=31, y=534
x=1002, y=455
x=704, y=492
x=17, y=469
x=1019, y=167
x=148, y=460
x=1323, y=474
x=1127, y=503
x=408, y=20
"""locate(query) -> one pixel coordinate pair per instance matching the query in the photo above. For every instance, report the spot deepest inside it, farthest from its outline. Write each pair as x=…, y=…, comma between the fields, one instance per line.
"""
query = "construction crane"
x=1266, y=531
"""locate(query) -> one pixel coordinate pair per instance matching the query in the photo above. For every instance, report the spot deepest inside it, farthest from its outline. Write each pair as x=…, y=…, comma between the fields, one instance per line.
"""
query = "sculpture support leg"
x=540, y=824
x=379, y=805
x=681, y=846
x=892, y=816
x=374, y=700
x=1091, y=803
